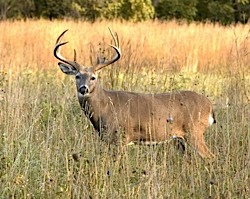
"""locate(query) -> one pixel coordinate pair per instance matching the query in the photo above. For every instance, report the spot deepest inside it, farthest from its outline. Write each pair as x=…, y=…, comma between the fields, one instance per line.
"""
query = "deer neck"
x=94, y=106
x=94, y=102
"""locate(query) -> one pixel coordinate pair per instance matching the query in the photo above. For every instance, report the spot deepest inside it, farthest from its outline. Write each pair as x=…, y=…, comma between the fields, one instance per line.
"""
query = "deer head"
x=86, y=78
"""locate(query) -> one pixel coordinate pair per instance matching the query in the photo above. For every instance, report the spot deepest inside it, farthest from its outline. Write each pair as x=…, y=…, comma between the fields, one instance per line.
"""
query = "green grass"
x=48, y=149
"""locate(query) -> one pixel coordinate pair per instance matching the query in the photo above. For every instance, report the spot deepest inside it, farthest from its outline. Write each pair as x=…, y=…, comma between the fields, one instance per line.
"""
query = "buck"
x=139, y=118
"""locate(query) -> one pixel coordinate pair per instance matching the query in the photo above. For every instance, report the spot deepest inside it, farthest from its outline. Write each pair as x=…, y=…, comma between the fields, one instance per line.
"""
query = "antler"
x=58, y=55
x=101, y=63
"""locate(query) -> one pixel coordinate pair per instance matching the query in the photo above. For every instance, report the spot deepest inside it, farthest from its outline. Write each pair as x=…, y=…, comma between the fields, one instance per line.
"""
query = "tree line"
x=222, y=11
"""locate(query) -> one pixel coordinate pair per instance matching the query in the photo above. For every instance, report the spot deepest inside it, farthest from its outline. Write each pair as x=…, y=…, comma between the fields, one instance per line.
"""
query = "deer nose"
x=83, y=90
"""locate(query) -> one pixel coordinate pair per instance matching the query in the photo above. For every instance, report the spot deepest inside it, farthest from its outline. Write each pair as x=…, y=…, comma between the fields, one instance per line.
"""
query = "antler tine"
x=115, y=37
x=58, y=55
x=74, y=55
x=115, y=57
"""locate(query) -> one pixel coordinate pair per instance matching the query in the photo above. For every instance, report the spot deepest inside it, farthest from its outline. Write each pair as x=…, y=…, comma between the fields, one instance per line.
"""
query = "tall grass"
x=170, y=45
x=48, y=149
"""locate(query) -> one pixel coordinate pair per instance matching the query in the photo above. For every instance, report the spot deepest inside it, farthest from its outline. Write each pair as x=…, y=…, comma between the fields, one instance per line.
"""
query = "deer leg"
x=179, y=144
x=198, y=142
x=179, y=141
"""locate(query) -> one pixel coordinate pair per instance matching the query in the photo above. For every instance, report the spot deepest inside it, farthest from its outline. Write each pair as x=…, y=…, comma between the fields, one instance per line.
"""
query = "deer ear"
x=67, y=69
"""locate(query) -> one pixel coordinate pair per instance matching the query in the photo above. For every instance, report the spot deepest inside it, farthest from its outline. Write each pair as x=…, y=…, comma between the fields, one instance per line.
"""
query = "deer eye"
x=77, y=76
x=93, y=78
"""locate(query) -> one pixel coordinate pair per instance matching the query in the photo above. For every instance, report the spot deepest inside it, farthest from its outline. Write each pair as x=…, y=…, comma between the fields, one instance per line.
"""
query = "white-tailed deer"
x=140, y=118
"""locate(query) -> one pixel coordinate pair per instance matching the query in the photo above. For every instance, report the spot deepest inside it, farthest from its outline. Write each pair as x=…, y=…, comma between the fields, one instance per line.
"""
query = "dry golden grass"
x=48, y=149
x=169, y=45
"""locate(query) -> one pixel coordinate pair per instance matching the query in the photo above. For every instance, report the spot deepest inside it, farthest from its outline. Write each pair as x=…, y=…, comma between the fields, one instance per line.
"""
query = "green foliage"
x=223, y=11
x=137, y=10
x=217, y=11
x=5, y=7
x=134, y=10
x=242, y=10
x=169, y=9
x=113, y=9
x=52, y=9
x=89, y=9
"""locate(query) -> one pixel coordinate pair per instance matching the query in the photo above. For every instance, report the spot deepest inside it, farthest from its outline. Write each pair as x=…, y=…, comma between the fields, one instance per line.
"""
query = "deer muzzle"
x=83, y=89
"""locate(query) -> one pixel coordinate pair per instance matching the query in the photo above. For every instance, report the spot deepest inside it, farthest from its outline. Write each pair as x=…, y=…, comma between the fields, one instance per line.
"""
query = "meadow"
x=48, y=148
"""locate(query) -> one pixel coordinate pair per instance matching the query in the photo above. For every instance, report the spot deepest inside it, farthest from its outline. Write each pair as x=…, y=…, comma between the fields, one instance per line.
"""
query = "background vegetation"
x=223, y=11
x=48, y=149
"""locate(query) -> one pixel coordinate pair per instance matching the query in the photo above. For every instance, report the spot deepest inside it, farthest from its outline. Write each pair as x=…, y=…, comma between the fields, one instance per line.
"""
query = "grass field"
x=48, y=149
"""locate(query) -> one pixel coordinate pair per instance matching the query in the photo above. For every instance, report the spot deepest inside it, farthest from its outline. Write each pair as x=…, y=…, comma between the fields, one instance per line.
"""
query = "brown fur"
x=149, y=117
